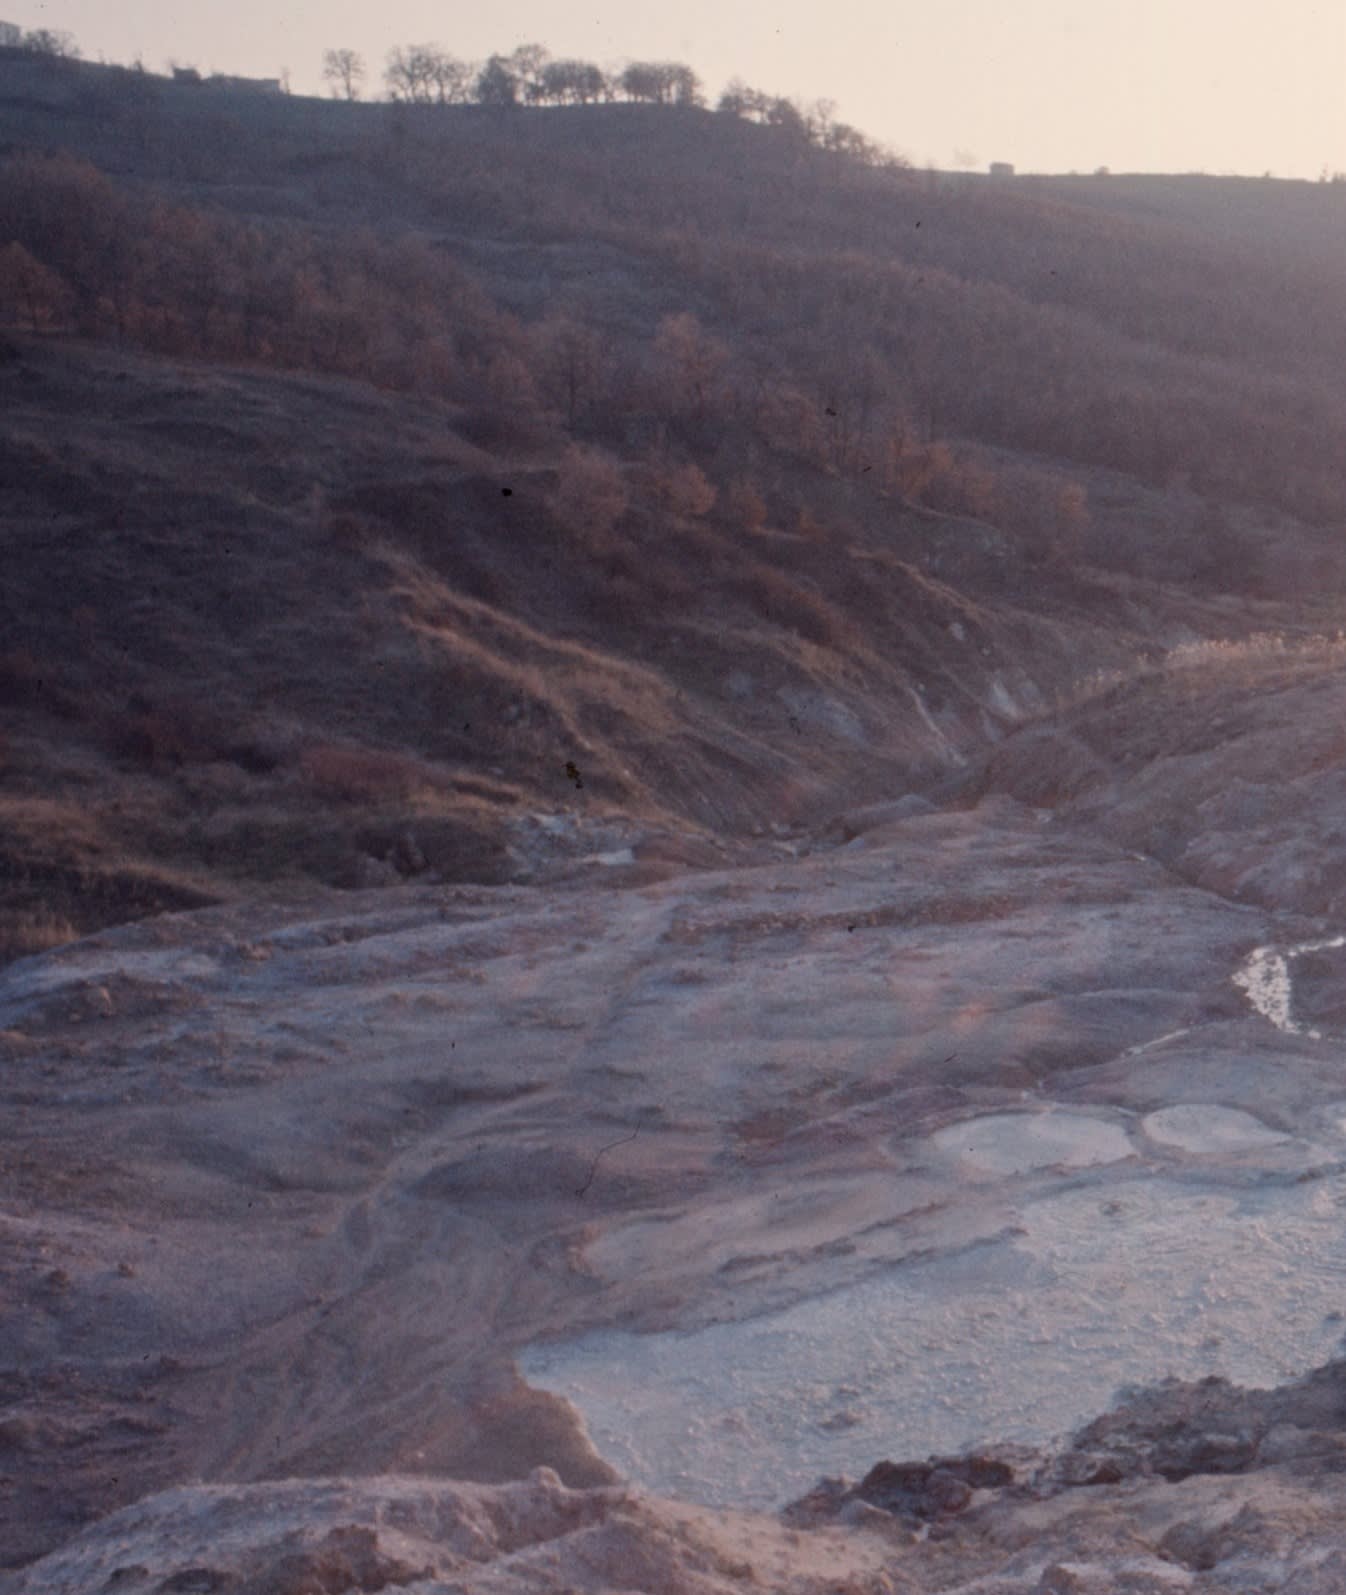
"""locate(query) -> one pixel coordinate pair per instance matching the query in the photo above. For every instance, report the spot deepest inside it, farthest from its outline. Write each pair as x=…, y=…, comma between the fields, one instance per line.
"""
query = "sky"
x=1245, y=86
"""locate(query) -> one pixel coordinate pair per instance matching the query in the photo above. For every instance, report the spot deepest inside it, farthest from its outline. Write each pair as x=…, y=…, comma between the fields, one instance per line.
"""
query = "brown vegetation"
x=590, y=496
x=367, y=468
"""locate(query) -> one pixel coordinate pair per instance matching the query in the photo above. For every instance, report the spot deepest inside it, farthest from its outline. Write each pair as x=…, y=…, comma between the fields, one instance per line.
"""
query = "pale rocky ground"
x=661, y=1197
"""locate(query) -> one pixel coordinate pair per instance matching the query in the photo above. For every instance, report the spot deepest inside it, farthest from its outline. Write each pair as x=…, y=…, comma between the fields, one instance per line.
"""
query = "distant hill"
x=408, y=490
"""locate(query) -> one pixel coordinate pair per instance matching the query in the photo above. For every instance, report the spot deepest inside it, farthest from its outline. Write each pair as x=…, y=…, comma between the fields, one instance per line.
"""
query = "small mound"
x=1204, y=1127
x=1016, y=1143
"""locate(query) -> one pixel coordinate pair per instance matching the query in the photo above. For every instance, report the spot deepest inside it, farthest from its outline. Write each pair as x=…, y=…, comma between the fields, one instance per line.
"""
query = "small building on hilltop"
x=1002, y=169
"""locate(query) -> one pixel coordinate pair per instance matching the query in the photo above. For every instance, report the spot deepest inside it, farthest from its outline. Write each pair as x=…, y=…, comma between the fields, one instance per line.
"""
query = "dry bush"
x=572, y=364
x=680, y=489
x=688, y=366
x=590, y=496
x=633, y=590
x=745, y=506
x=909, y=466
x=958, y=483
x=809, y=527
x=774, y=596
x=508, y=383
x=169, y=734
x=787, y=420
x=31, y=293
x=350, y=532
x=192, y=282
x=365, y=775
x=1049, y=511
x=25, y=931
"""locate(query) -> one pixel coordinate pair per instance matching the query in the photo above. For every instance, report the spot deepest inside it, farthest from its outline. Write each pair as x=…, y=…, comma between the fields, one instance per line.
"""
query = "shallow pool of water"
x=1206, y=1128
x=1015, y=1143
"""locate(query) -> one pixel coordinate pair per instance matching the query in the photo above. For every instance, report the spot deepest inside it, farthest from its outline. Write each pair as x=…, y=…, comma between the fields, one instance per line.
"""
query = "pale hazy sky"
x=1142, y=85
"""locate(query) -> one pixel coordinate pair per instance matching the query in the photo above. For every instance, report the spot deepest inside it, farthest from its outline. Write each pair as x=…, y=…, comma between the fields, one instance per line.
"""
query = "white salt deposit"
x=1021, y=1339
x=1204, y=1127
x=1015, y=1143
x=1265, y=978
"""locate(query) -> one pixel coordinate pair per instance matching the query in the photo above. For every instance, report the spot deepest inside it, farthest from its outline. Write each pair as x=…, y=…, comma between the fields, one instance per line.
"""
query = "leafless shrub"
x=784, y=603
x=745, y=506
x=590, y=496
x=680, y=489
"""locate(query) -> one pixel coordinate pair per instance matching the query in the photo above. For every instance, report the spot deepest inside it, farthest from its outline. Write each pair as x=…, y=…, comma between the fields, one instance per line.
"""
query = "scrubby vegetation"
x=713, y=454
x=847, y=314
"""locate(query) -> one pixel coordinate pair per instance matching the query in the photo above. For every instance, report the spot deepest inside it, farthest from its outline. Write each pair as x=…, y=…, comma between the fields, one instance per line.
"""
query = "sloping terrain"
x=726, y=764
x=261, y=628
x=380, y=478
x=294, y=1192
x=264, y=628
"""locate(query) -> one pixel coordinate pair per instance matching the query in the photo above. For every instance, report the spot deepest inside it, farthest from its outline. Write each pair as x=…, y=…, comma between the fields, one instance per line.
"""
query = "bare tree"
x=689, y=362
x=528, y=64
x=571, y=83
x=497, y=83
x=640, y=81
x=736, y=99
x=682, y=489
x=402, y=75
x=685, y=86
x=423, y=74
x=344, y=72
x=11, y=36
x=786, y=117
x=30, y=289
x=842, y=139
x=571, y=361
x=661, y=83
x=452, y=79
x=590, y=496
x=411, y=72
x=821, y=116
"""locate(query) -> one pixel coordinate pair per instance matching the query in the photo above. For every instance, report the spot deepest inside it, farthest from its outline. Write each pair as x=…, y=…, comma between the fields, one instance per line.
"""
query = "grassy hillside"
x=413, y=490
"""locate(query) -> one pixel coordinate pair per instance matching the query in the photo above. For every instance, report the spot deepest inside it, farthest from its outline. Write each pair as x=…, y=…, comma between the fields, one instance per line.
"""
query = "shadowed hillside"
x=433, y=491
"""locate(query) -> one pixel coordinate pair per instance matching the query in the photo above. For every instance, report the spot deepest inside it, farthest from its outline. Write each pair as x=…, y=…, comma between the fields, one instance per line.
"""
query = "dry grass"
x=24, y=932
x=1262, y=648
x=283, y=631
x=1235, y=661
x=367, y=775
